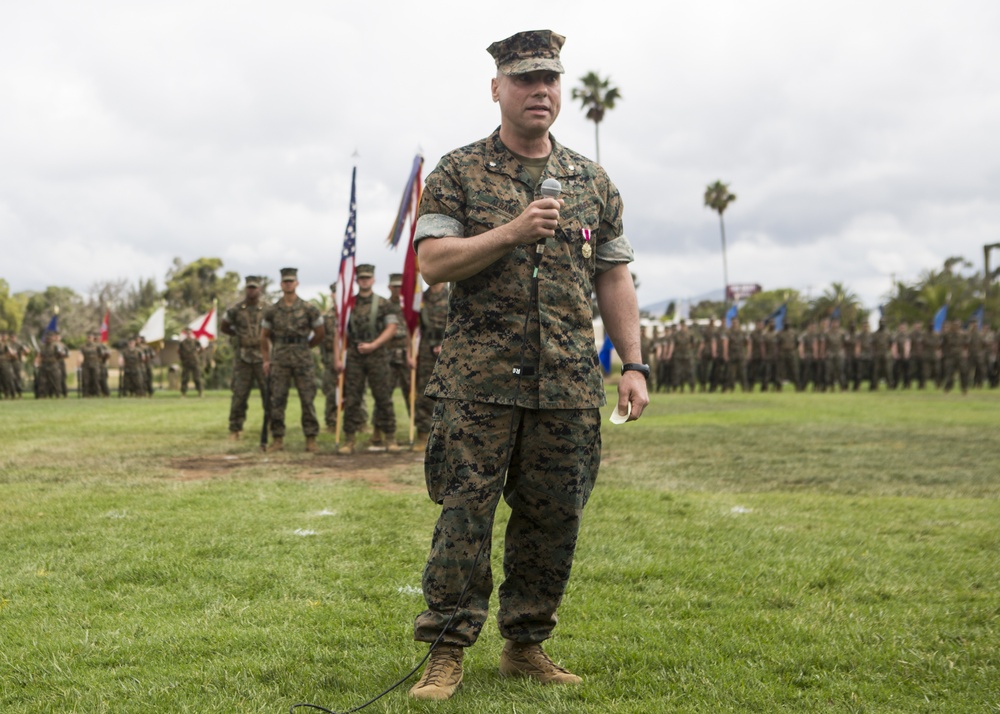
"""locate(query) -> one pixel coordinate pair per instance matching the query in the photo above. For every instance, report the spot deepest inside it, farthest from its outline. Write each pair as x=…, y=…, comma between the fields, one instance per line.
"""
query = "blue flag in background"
x=939, y=319
x=53, y=324
x=730, y=315
x=979, y=315
x=836, y=313
x=778, y=317
x=605, y=355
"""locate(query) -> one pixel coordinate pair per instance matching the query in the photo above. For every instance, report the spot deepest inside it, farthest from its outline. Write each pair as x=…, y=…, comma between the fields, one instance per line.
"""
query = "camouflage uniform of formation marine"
x=90, y=372
x=288, y=328
x=189, y=350
x=399, y=345
x=328, y=350
x=242, y=321
x=482, y=373
x=433, y=319
x=370, y=317
x=133, y=381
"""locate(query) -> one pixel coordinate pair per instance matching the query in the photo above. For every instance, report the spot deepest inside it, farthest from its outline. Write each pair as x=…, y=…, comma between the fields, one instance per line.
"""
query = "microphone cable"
x=487, y=536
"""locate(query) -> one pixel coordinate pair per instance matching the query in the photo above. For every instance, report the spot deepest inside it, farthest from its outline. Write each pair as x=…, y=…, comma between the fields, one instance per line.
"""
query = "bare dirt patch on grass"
x=379, y=469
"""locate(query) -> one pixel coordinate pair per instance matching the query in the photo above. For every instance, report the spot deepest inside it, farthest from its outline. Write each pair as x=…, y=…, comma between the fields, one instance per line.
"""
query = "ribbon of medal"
x=586, y=249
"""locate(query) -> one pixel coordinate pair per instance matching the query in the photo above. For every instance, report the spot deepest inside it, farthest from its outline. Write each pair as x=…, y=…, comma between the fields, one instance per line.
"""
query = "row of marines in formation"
x=823, y=356
x=272, y=347
x=50, y=379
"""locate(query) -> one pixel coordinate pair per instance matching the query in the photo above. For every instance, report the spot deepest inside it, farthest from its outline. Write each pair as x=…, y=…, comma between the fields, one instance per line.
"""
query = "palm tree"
x=596, y=97
x=717, y=197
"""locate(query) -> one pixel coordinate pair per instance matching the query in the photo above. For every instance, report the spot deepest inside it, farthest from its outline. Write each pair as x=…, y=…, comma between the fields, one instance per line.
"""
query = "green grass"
x=741, y=553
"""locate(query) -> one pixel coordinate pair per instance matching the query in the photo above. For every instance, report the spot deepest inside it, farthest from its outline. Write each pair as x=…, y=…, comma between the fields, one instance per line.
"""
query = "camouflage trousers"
x=6, y=379
x=300, y=372
x=882, y=369
x=330, y=379
x=49, y=381
x=90, y=380
x=401, y=380
x=554, y=461
x=374, y=370
x=683, y=372
x=190, y=370
x=426, y=359
x=836, y=375
x=245, y=375
x=134, y=384
x=788, y=368
x=736, y=373
x=952, y=364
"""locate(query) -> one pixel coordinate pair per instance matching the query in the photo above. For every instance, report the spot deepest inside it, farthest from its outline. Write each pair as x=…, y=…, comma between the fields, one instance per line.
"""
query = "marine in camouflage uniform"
x=190, y=351
x=788, y=358
x=332, y=365
x=371, y=327
x=836, y=362
x=756, y=364
x=682, y=357
x=901, y=359
x=242, y=323
x=863, y=355
x=521, y=264
x=148, y=355
x=104, y=354
x=132, y=370
x=978, y=371
x=6, y=368
x=883, y=352
x=90, y=372
x=734, y=354
x=955, y=356
x=284, y=345
x=918, y=355
x=770, y=359
x=400, y=360
x=433, y=319
x=48, y=375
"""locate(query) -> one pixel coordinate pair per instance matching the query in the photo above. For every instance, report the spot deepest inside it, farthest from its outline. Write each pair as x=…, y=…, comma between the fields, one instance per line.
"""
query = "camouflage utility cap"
x=528, y=52
x=365, y=270
x=289, y=274
x=253, y=281
x=396, y=280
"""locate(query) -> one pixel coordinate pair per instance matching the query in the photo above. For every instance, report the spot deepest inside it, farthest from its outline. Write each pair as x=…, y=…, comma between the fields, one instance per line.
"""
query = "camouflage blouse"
x=480, y=187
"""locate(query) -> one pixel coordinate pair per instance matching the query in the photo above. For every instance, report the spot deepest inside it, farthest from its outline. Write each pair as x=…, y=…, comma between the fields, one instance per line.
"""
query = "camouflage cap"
x=289, y=274
x=333, y=287
x=395, y=280
x=528, y=51
x=253, y=281
x=365, y=270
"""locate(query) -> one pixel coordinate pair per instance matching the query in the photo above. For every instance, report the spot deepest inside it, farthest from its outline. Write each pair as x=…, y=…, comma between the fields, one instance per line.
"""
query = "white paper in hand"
x=617, y=418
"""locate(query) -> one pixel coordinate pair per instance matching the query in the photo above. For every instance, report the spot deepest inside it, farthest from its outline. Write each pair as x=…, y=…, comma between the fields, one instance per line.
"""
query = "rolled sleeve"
x=437, y=225
x=613, y=252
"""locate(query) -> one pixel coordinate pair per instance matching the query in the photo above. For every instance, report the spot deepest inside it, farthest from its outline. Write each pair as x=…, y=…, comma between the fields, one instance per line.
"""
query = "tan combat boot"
x=278, y=444
x=377, y=442
x=391, y=445
x=347, y=447
x=528, y=659
x=234, y=436
x=311, y=444
x=421, y=443
x=442, y=675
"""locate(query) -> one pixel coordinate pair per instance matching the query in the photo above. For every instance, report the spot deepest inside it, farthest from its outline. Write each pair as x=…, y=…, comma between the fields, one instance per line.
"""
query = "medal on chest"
x=586, y=249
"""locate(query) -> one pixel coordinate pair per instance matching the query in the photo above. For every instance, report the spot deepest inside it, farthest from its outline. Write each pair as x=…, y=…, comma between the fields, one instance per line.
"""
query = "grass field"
x=741, y=553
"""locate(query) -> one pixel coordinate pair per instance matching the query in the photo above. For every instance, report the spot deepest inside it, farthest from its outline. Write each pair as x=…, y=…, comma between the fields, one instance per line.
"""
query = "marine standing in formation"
x=242, y=322
x=370, y=328
x=433, y=319
x=331, y=357
x=521, y=264
x=190, y=354
x=284, y=345
x=90, y=371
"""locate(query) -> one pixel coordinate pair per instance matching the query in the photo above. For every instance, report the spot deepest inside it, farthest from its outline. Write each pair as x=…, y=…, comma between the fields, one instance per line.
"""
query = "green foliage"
x=837, y=296
x=718, y=197
x=762, y=305
x=74, y=319
x=961, y=291
x=192, y=288
x=12, y=309
x=596, y=97
x=708, y=309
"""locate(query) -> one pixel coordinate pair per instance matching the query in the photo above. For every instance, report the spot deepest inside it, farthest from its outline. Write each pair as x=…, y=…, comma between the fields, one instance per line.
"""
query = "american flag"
x=345, y=281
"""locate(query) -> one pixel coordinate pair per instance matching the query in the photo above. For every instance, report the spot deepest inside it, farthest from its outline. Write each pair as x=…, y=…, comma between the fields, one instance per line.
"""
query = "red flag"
x=104, y=326
x=345, y=281
x=408, y=207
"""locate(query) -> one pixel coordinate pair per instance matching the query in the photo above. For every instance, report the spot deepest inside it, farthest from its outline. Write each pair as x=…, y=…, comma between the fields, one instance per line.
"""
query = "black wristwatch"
x=636, y=367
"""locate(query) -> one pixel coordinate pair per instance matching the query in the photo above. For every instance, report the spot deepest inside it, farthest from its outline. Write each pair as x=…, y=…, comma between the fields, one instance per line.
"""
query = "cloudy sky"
x=857, y=136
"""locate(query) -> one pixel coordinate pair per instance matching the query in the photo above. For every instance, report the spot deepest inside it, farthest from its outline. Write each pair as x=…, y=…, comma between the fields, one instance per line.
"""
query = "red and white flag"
x=205, y=327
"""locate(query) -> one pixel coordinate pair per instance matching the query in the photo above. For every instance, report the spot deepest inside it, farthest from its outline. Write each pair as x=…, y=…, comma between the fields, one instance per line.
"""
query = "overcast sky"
x=857, y=136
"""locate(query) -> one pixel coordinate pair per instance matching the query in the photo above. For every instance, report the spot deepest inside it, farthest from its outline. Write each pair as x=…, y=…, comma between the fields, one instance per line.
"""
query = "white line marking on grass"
x=740, y=509
x=409, y=590
x=303, y=532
